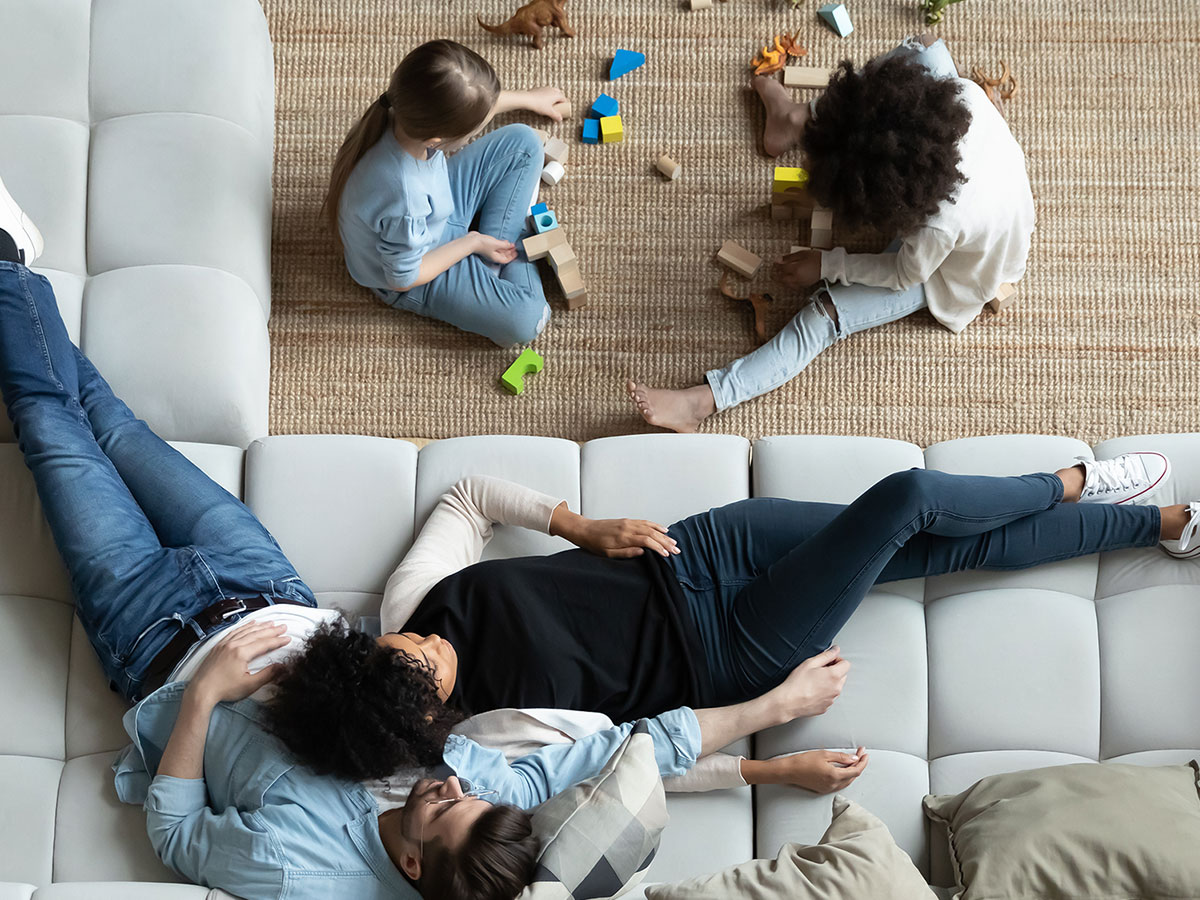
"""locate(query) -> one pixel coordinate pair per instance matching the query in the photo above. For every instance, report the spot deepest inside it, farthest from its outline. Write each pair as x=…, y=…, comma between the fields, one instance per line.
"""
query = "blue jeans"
x=859, y=306
x=492, y=178
x=771, y=582
x=148, y=539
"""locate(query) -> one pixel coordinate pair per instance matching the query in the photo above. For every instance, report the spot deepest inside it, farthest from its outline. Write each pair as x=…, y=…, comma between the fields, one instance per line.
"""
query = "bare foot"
x=681, y=411
x=785, y=117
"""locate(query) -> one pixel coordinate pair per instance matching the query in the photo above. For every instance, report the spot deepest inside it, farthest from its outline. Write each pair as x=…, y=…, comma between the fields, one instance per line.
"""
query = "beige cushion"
x=1095, y=831
x=855, y=860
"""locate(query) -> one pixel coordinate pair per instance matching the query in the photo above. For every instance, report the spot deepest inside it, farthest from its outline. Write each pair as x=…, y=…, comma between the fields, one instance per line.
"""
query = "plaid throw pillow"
x=599, y=837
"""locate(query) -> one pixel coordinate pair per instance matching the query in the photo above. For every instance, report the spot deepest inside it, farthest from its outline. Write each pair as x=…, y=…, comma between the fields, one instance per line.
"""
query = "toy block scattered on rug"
x=604, y=106
x=539, y=209
x=537, y=246
x=668, y=167
x=572, y=285
x=694, y=5
x=835, y=16
x=822, y=228
x=553, y=173
x=591, y=131
x=1005, y=297
x=612, y=131
x=738, y=258
x=805, y=77
x=542, y=134
x=624, y=62
x=556, y=150
x=528, y=363
x=544, y=222
x=788, y=177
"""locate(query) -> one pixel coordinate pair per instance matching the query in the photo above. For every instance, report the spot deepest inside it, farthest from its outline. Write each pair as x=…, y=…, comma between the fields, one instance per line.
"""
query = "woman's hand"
x=547, y=101
x=493, y=249
x=811, y=687
x=820, y=771
x=799, y=270
x=614, y=538
x=224, y=675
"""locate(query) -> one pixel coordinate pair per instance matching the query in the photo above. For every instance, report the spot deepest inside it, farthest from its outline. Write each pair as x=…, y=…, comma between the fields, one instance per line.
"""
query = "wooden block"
x=782, y=213
x=835, y=16
x=822, y=219
x=561, y=255
x=557, y=150
x=1005, y=297
x=611, y=130
x=553, y=173
x=538, y=245
x=571, y=281
x=797, y=198
x=739, y=258
x=591, y=131
x=577, y=301
x=699, y=4
x=527, y=363
x=604, y=107
x=544, y=222
x=805, y=77
x=543, y=134
x=796, y=248
x=668, y=167
x=821, y=239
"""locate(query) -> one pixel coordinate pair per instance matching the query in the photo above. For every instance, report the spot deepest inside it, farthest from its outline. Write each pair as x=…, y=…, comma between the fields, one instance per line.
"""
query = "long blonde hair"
x=441, y=89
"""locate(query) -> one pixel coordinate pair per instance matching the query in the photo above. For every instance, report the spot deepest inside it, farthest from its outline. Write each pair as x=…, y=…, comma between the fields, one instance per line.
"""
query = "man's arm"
x=914, y=263
x=453, y=538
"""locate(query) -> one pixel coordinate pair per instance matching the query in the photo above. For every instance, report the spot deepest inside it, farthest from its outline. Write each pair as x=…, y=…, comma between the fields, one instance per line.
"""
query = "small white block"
x=553, y=173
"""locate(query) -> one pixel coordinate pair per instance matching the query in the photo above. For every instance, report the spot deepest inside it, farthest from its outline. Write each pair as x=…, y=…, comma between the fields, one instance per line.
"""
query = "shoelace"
x=1187, y=540
x=1106, y=479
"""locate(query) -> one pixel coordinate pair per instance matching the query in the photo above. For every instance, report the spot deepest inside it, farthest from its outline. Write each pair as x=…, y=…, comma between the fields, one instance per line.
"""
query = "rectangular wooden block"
x=571, y=280
x=805, y=76
x=538, y=245
x=1005, y=297
x=796, y=198
x=739, y=258
x=796, y=248
x=699, y=4
x=557, y=150
x=821, y=239
x=781, y=212
x=561, y=255
x=822, y=219
x=611, y=130
x=788, y=177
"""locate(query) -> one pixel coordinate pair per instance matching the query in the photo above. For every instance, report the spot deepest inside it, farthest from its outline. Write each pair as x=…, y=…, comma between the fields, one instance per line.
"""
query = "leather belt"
x=168, y=657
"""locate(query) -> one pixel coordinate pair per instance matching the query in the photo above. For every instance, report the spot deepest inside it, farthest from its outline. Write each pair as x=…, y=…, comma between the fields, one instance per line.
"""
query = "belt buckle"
x=234, y=610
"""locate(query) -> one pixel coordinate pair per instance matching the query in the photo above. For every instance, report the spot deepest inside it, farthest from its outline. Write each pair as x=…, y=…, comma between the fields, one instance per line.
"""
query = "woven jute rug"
x=1104, y=341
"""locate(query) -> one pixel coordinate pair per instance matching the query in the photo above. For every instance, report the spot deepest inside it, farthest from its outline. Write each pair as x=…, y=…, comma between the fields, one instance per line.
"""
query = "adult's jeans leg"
x=121, y=576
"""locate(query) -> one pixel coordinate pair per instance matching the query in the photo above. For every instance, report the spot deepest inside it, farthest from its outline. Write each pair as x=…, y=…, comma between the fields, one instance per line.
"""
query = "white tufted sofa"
x=140, y=141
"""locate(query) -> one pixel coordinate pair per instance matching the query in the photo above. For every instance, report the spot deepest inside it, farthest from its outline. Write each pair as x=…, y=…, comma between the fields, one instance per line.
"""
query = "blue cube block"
x=835, y=16
x=591, y=131
x=625, y=61
x=546, y=221
x=540, y=208
x=604, y=107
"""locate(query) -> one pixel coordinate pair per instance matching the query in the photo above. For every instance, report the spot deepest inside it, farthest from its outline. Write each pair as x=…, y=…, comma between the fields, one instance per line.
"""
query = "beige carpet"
x=1105, y=339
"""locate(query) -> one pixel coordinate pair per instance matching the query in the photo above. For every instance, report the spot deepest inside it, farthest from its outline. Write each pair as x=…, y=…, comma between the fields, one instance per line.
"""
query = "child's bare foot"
x=681, y=411
x=785, y=117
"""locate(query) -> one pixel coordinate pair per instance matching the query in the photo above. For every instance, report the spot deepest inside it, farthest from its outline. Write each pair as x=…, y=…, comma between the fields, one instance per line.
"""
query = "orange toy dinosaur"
x=531, y=18
x=758, y=302
x=770, y=60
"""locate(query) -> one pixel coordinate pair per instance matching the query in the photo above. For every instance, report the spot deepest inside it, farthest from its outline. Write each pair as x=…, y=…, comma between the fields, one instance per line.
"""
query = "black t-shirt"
x=571, y=631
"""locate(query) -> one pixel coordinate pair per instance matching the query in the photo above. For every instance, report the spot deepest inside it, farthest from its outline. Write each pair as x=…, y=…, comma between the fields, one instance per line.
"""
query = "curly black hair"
x=350, y=707
x=881, y=148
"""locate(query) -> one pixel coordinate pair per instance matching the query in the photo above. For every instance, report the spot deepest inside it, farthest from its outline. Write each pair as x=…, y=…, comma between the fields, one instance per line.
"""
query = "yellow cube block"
x=611, y=130
x=788, y=177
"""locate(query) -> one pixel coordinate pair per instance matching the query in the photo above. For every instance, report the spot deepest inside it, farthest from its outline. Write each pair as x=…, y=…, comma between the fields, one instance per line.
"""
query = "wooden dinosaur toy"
x=1002, y=88
x=531, y=18
x=772, y=59
x=758, y=303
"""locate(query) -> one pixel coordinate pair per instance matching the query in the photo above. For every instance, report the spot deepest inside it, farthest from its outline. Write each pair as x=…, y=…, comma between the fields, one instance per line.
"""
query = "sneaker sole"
x=1144, y=495
x=1176, y=554
x=31, y=234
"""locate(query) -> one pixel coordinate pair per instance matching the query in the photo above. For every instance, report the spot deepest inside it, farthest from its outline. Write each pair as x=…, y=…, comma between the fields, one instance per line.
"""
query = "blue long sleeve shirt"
x=392, y=212
x=264, y=828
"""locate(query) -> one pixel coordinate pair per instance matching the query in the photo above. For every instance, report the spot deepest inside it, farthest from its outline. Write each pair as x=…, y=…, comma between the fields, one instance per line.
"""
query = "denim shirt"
x=535, y=778
x=257, y=825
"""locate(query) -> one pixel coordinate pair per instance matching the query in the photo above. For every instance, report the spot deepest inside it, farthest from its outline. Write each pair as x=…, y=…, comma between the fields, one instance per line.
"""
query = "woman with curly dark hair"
x=904, y=145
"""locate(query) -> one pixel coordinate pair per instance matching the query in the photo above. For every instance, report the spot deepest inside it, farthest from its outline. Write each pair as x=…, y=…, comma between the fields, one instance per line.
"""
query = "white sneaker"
x=13, y=220
x=1188, y=545
x=1129, y=478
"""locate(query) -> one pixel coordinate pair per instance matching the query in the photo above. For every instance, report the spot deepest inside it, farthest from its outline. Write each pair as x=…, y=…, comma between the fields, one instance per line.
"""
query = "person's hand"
x=822, y=771
x=799, y=270
x=224, y=675
x=812, y=686
x=549, y=102
x=624, y=538
x=493, y=249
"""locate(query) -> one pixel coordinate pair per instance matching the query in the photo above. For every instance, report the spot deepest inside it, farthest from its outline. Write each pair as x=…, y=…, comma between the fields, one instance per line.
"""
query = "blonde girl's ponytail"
x=441, y=89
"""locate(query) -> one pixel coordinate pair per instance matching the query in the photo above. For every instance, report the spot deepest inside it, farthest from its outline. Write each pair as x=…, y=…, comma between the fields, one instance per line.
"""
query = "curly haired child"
x=434, y=234
x=905, y=145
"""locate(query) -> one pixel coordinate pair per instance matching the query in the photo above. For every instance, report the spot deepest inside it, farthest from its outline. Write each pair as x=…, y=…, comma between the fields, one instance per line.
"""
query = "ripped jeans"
x=148, y=539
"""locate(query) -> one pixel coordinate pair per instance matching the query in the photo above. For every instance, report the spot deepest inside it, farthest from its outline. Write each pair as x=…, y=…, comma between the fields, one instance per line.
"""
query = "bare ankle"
x=1072, y=479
